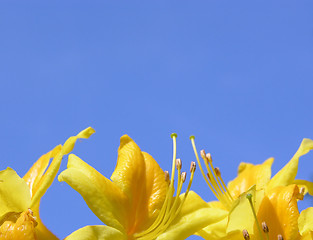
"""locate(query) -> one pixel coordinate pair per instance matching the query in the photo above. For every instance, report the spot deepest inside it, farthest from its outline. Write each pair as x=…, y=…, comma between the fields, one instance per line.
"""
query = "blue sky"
x=236, y=74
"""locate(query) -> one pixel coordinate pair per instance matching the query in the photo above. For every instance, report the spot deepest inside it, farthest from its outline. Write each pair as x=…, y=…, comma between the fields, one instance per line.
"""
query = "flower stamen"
x=249, y=197
x=265, y=230
x=172, y=205
x=213, y=177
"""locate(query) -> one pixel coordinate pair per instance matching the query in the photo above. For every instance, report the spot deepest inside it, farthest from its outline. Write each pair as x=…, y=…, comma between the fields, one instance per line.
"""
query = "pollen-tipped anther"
x=193, y=166
x=167, y=176
x=217, y=171
x=30, y=212
x=265, y=227
x=202, y=153
x=178, y=163
x=209, y=157
x=208, y=175
x=245, y=234
x=280, y=237
x=183, y=176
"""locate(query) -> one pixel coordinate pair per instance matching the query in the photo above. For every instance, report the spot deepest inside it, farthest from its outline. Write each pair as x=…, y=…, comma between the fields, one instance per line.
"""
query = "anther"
x=193, y=167
x=209, y=157
x=192, y=137
x=167, y=176
x=300, y=195
x=265, y=227
x=280, y=237
x=245, y=234
x=178, y=163
x=30, y=212
x=202, y=153
x=217, y=171
x=183, y=176
x=302, y=190
x=208, y=175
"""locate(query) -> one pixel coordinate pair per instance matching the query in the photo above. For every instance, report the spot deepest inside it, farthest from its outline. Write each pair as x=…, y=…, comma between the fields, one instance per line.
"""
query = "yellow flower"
x=271, y=203
x=20, y=197
x=138, y=203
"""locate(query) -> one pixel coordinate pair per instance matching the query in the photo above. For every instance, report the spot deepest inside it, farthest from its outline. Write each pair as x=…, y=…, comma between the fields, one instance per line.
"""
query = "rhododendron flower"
x=260, y=206
x=138, y=203
x=20, y=197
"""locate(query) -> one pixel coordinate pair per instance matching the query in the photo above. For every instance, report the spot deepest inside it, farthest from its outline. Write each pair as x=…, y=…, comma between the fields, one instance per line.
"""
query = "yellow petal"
x=306, y=221
x=21, y=228
x=307, y=236
x=241, y=215
x=249, y=175
x=279, y=210
x=129, y=175
x=288, y=173
x=47, y=179
x=14, y=193
x=70, y=143
x=34, y=174
x=154, y=194
x=216, y=230
x=195, y=214
x=103, y=197
x=96, y=233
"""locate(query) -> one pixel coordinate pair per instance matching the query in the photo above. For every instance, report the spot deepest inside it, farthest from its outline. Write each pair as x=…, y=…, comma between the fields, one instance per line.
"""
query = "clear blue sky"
x=236, y=74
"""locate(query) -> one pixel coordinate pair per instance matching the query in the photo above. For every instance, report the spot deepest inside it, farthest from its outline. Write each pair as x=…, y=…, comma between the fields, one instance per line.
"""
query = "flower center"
x=172, y=204
x=213, y=177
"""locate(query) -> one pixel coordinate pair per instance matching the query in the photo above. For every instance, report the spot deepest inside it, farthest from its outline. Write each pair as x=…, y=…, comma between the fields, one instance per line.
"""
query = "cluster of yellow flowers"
x=141, y=202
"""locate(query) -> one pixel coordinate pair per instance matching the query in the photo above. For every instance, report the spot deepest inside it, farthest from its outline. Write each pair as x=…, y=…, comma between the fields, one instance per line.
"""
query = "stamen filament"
x=192, y=138
x=249, y=197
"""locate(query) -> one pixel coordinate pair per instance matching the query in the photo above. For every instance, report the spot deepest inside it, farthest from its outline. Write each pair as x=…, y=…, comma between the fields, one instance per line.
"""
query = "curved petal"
x=288, y=173
x=155, y=192
x=34, y=174
x=22, y=228
x=279, y=210
x=130, y=176
x=46, y=180
x=103, y=197
x=241, y=215
x=96, y=233
x=249, y=175
x=194, y=215
x=215, y=231
x=306, y=221
x=307, y=236
x=17, y=200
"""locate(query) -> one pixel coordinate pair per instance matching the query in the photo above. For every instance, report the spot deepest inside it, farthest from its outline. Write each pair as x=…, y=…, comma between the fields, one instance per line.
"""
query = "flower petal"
x=14, y=193
x=306, y=221
x=96, y=233
x=279, y=210
x=47, y=179
x=216, y=230
x=130, y=176
x=154, y=194
x=103, y=197
x=195, y=215
x=288, y=173
x=249, y=175
x=34, y=174
x=241, y=215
